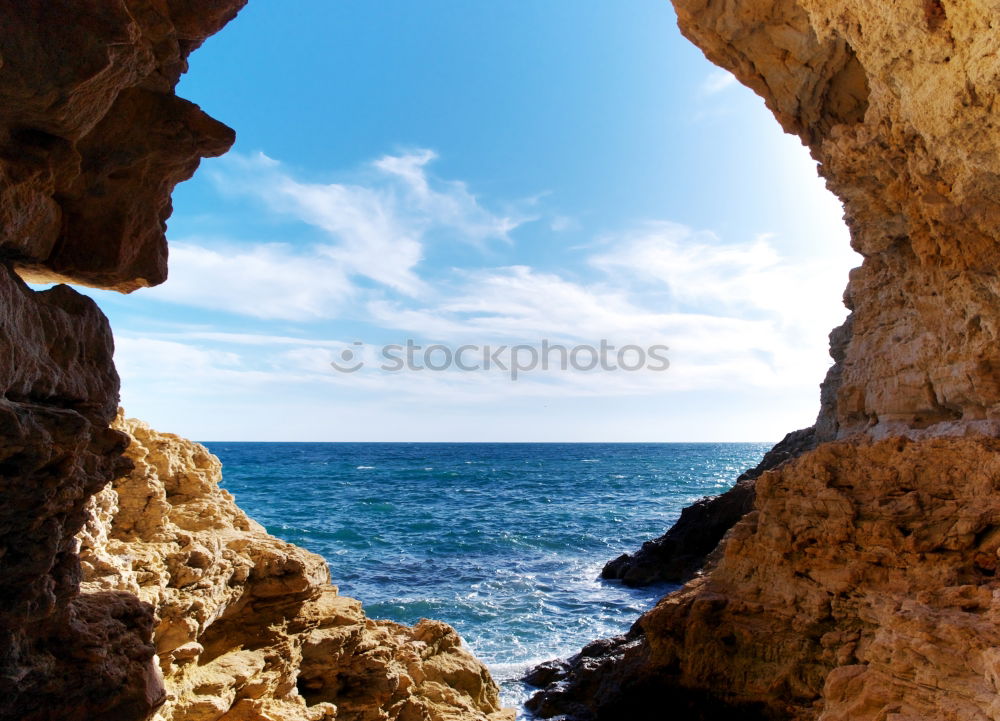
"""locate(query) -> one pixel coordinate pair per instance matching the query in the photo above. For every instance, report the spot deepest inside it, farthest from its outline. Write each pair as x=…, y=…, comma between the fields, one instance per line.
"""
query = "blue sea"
x=504, y=541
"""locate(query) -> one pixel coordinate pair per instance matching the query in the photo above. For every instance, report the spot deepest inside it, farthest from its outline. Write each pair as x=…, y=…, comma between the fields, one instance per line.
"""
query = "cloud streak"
x=735, y=315
x=377, y=230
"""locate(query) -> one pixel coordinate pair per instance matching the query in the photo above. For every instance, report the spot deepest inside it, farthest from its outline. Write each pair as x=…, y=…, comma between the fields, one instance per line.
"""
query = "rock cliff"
x=863, y=584
x=248, y=626
x=92, y=142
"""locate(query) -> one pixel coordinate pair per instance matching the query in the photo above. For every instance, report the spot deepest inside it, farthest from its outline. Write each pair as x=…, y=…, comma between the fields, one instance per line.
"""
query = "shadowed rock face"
x=92, y=140
x=183, y=607
x=862, y=587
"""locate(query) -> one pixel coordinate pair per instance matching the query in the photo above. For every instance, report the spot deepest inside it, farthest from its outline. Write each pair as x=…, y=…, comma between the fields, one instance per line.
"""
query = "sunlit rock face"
x=897, y=103
x=863, y=585
x=248, y=626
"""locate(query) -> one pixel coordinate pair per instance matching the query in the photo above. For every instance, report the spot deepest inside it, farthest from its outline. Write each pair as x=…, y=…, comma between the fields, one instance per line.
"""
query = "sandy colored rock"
x=861, y=588
x=897, y=104
x=188, y=606
x=863, y=585
x=92, y=141
x=248, y=626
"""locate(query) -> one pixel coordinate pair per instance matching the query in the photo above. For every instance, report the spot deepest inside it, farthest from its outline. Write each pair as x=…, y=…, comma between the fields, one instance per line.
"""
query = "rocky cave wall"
x=92, y=142
x=863, y=584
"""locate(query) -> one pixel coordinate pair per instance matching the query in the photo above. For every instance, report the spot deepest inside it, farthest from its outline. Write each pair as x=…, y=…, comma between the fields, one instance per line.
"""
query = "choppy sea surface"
x=504, y=541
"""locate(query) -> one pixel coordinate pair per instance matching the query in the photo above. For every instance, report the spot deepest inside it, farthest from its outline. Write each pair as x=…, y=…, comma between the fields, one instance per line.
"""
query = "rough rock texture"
x=680, y=553
x=862, y=585
x=897, y=103
x=62, y=655
x=92, y=137
x=92, y=140
x=247, y=626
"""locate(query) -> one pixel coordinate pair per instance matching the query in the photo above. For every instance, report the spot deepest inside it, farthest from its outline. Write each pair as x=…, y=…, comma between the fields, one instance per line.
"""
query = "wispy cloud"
x=272, y=281
x=735, y=315
x=716, y=82
x=377, y=230
x=734, y=279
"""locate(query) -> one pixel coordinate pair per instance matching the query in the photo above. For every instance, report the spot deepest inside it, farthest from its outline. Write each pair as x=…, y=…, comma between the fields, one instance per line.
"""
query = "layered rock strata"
x=248, y=626
x=862, y=585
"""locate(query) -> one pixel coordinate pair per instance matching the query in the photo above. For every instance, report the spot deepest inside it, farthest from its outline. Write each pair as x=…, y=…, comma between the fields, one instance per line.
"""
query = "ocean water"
x=504, y=541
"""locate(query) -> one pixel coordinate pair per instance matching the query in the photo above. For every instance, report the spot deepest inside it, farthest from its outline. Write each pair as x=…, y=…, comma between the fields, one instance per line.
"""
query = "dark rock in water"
x=607, y=681
x=678, y=555
x=546, y=673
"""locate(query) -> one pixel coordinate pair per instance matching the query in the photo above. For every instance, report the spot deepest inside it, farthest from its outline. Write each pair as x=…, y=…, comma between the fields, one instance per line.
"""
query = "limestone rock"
x=897, y=104
x=248, y=626
x=862, y=585
x=92, y=140
x=182, y=589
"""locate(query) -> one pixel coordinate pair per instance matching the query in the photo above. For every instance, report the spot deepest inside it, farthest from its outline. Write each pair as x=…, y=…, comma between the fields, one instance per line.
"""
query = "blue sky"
x=483, y=173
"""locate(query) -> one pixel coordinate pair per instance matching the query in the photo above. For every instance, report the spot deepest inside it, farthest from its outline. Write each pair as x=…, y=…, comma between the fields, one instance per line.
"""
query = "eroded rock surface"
x=93, y=138
x=92, y=141
x=248, y=626
x=62, y=655
x=862, y=587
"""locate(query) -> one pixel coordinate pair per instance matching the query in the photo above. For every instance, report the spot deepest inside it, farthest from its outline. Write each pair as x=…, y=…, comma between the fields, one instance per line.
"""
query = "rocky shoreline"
x=861, y=586
x=248, y=626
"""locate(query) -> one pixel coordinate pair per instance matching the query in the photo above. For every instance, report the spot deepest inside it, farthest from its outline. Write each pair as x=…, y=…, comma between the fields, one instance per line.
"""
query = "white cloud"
x=717, y=81
x=264, y=281
x=377, y=230
x=738, y=279
x=735, y=315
